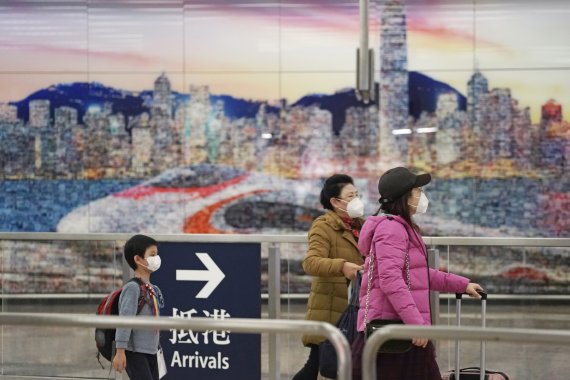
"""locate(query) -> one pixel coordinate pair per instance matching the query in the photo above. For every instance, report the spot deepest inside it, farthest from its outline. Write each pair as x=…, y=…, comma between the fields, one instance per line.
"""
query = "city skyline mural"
x=225, y=116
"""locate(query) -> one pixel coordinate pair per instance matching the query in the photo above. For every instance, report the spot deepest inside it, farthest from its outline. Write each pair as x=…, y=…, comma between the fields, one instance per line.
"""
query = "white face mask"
x=153, y=263
x=422, y=206
x=354, y=208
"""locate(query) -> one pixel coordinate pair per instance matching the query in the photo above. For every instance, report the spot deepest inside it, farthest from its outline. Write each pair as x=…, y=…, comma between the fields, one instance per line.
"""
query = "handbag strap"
x=355, y=290
x=372, y=260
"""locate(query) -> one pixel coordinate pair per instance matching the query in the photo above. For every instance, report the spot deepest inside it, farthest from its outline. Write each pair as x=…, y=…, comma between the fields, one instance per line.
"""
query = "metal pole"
x=363, y=68
x=127, y=271
x=364, y=59
x=457, y=342
x=483, y=343
x=274, y=305
x=433, y=262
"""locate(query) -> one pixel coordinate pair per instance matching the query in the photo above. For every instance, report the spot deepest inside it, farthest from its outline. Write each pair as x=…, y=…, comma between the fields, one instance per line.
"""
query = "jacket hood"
x=372, y=223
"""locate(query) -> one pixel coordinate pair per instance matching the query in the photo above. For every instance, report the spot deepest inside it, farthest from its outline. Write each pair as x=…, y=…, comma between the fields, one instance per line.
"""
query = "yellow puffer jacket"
x=330, y=246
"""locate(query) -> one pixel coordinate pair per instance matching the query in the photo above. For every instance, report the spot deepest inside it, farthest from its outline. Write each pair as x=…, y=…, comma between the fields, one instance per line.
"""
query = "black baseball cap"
x=398, y=181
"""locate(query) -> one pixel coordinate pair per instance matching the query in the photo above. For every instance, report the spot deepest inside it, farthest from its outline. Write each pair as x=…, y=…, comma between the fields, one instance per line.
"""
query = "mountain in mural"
x=423, y=92
x=236, y=108
x=336, y=104
x=82, y=95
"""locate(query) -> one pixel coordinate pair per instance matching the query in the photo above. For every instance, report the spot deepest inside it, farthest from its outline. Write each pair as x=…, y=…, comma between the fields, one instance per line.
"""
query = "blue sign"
x=218, y=281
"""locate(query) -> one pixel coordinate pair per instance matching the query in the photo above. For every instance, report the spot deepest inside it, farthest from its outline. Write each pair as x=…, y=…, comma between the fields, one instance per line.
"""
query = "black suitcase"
x=473, y=373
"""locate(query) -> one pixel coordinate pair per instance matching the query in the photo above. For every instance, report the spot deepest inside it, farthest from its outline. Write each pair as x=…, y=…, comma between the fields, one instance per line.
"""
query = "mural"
x=224, y=117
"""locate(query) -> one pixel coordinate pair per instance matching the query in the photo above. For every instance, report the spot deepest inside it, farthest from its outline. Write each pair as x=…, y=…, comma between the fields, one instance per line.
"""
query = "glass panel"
x=441, y=36
x=55, y=277
x=295, y=286
x=523, y=284
x=43, y=36
x=531, y=37
x=322, y=37
x=135, y=37
x=232, y=36
x=517, y=360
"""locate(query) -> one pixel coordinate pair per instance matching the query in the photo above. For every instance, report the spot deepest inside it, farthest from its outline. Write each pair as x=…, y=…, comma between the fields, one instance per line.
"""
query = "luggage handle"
x=458, y=297
x=482, y=293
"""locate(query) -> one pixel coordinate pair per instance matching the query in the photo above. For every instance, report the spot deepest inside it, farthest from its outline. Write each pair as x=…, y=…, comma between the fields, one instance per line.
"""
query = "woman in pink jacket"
x=401, y=279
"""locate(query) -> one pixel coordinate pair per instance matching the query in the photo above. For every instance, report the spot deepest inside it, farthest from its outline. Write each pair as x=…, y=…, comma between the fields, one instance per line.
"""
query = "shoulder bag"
x=328, y=361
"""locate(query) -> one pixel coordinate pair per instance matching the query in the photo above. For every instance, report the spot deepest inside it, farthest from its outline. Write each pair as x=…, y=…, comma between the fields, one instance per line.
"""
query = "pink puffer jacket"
x=390, y=298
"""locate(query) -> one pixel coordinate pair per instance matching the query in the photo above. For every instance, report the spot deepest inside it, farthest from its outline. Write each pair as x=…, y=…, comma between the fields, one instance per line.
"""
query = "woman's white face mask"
x=354, y=208
x=422, y=205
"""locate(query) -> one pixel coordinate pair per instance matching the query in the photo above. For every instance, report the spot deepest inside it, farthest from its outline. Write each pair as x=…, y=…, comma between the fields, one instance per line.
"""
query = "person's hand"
x=420, y=342
x=120, y=360
x=349, y=270
x=472, y=290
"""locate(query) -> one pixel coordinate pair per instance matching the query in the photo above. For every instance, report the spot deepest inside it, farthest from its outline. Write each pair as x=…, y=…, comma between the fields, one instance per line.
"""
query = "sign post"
x=210, y=280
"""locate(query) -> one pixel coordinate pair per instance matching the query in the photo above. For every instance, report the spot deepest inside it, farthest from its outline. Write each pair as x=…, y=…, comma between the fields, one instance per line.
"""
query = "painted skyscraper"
x=162, y=97
x=394, y=97
x=477, y=88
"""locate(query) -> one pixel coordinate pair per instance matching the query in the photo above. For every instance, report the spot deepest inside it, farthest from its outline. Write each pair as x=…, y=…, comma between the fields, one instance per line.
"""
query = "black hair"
x=137, y=246
x=400, y=207
x=333, y=187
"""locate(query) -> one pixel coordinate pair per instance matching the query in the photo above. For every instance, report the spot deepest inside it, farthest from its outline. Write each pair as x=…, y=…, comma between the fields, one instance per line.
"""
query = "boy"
x=137, y=349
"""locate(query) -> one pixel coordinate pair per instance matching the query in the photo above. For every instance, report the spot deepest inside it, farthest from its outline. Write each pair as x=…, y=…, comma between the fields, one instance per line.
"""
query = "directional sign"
x=212, y=275
x=219, y=281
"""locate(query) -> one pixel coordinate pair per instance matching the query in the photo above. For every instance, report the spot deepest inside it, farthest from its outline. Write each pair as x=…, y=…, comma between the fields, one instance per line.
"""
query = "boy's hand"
x=120, y=360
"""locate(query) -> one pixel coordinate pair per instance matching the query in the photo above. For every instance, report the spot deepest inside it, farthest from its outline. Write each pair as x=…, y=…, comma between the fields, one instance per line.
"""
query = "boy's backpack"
x=104, y=338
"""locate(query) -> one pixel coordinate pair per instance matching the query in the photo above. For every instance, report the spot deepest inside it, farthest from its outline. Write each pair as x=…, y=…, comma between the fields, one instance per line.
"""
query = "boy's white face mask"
x=153, y=263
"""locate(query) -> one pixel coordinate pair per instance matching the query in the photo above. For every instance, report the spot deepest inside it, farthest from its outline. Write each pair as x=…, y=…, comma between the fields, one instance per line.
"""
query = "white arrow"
x=213, y=275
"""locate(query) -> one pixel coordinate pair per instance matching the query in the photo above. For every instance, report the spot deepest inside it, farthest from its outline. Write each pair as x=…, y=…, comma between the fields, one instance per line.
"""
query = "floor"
x=40, y=352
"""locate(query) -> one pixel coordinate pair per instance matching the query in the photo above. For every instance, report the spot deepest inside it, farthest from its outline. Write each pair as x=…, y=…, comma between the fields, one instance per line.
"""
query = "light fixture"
x=427, y=130
x=403, y=131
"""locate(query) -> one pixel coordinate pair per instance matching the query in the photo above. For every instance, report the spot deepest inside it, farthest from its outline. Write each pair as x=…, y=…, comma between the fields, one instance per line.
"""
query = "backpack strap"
x=142, y=293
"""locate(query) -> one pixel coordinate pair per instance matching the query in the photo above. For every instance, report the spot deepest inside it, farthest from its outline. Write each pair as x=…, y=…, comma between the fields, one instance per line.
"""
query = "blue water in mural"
x=37, y=205
x=519, y=203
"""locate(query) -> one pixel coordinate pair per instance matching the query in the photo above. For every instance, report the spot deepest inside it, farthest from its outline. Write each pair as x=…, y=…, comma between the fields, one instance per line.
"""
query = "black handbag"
x=328, y=361
x=391, y=346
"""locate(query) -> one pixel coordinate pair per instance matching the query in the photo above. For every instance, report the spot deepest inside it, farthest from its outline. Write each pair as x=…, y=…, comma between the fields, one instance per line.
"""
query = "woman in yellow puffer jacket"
x=332, y=259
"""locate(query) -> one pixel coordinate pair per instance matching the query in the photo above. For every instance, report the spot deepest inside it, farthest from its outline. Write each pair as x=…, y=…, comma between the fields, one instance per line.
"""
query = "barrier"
x=369, y=370
x=274, y=264
x=284, y=238
x=337, y=339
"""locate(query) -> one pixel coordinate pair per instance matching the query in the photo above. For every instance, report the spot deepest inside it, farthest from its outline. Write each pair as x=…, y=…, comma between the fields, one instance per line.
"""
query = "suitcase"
x=473, y=373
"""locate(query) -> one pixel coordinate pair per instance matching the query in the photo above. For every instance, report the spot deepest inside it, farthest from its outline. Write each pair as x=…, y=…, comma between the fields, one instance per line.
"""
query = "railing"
x=462, y=333
x=285, y=238
x=275, y=254
x=274, y=261
x=242, y=325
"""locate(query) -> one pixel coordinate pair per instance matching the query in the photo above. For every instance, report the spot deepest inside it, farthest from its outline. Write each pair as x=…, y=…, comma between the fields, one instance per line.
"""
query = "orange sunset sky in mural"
x=265, y=50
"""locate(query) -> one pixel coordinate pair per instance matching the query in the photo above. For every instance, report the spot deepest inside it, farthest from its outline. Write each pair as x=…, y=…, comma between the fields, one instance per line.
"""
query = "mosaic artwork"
x=109, y=125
